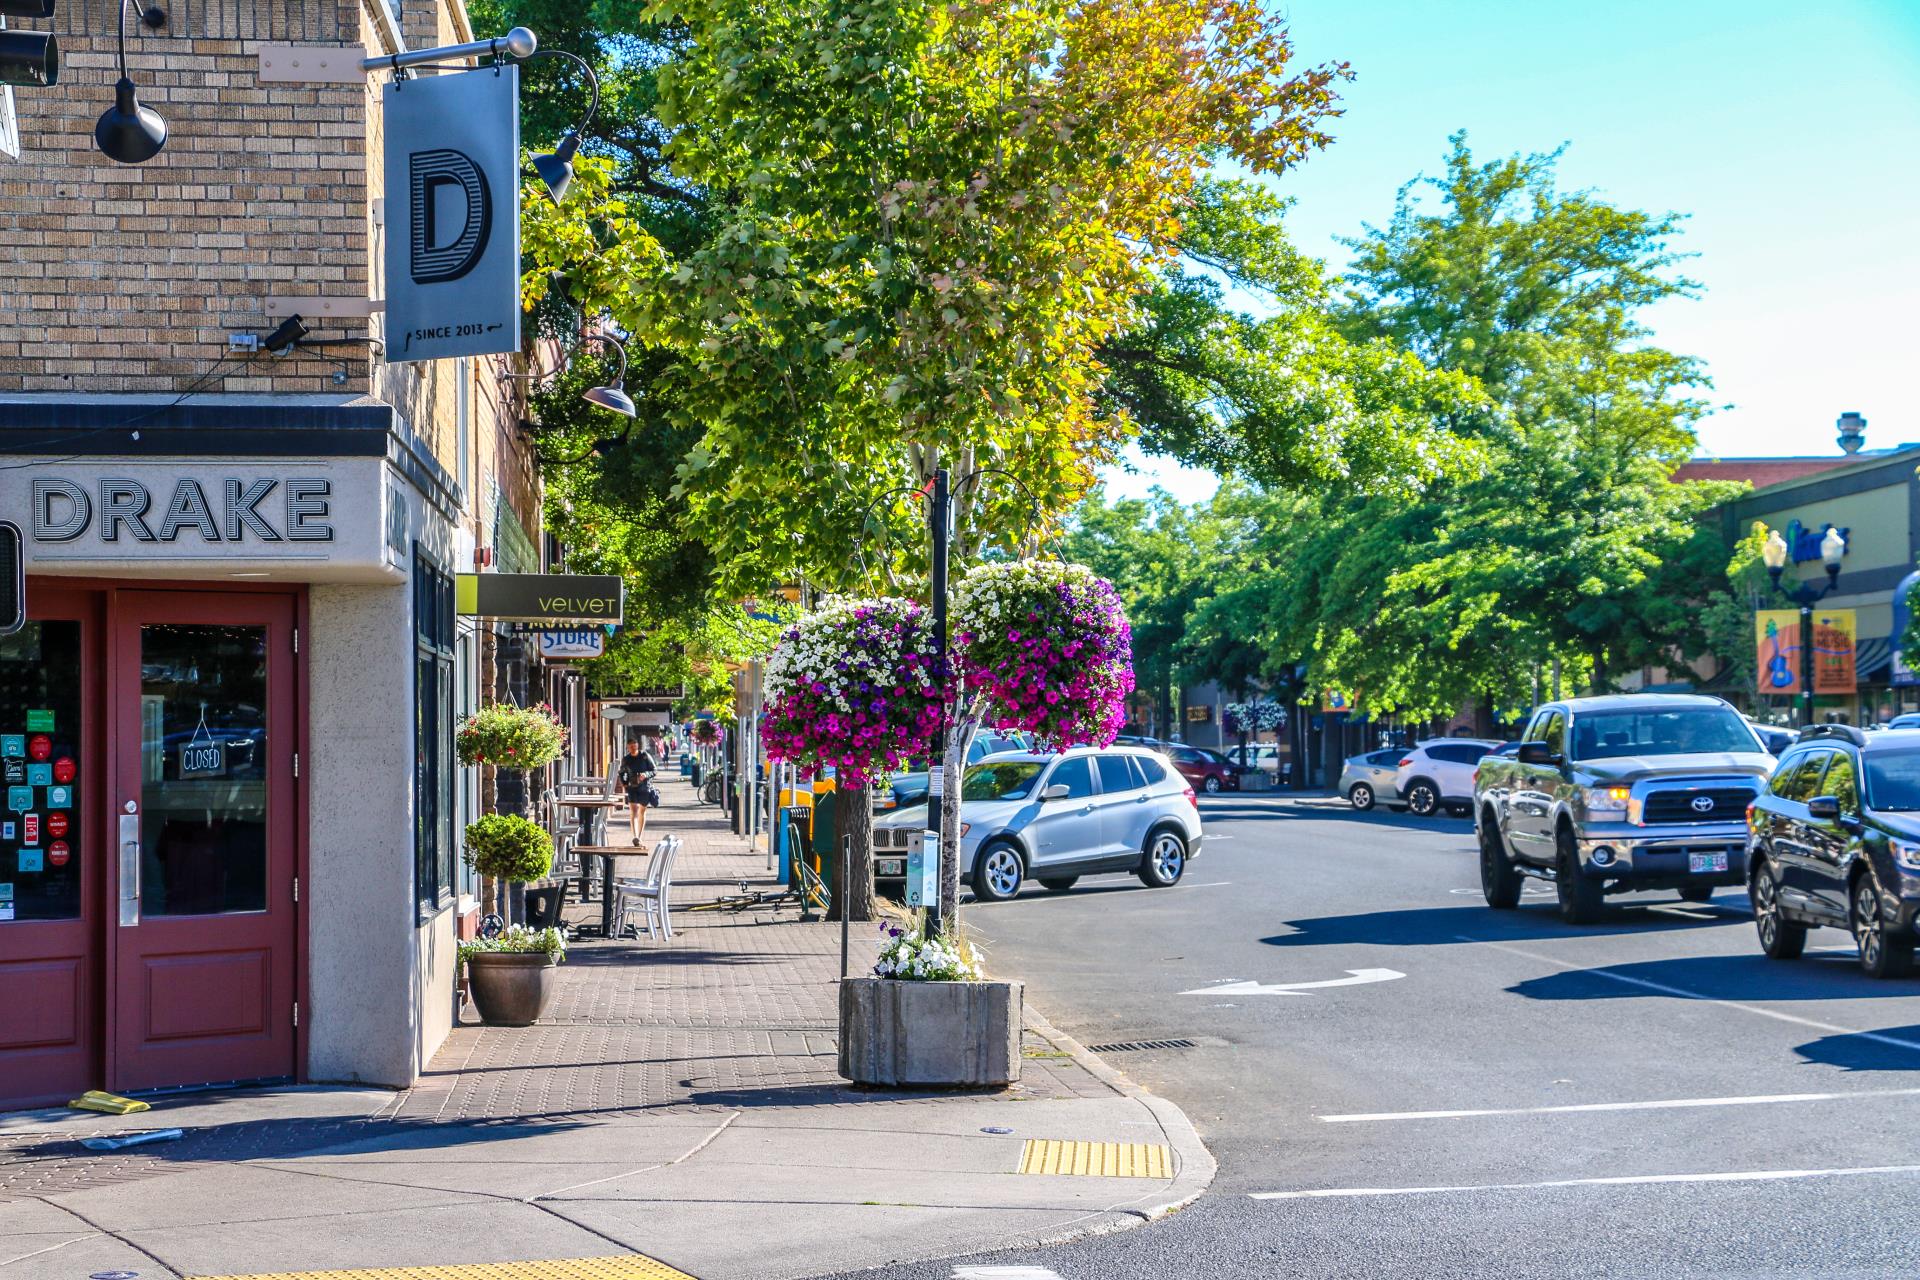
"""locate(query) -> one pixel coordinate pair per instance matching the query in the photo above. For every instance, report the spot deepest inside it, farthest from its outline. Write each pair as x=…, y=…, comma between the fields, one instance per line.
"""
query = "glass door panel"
x=204, y=746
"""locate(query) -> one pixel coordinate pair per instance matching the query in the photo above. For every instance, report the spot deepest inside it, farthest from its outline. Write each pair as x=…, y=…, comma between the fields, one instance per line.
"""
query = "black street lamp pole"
x=940, y=523
x=1833, y=545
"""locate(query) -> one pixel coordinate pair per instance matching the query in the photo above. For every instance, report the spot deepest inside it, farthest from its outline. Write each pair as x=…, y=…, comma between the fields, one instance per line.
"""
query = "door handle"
x=130, y=868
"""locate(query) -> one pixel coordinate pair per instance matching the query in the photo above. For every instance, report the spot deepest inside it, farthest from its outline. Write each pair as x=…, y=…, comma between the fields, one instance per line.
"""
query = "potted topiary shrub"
x=511, y=975
x=511, y=985
x=929, y=1015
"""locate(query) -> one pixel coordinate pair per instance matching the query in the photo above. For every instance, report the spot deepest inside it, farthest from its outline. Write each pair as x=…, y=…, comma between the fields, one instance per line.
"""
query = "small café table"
x=605, y=854
x=593, y=815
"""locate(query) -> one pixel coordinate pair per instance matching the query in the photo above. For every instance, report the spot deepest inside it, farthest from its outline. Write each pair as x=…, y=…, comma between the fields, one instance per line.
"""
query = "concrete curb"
x=1194, y=1165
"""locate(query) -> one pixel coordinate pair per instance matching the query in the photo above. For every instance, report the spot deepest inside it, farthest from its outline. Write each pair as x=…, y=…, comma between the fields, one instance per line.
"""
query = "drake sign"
x=314, y=520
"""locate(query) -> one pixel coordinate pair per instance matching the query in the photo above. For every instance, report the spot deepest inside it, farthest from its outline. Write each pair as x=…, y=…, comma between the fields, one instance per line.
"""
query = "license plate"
x=1706, y=862
x=895, y=867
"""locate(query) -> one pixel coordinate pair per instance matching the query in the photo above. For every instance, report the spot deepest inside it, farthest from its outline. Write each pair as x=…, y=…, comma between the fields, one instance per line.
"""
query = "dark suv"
x=1835, y=841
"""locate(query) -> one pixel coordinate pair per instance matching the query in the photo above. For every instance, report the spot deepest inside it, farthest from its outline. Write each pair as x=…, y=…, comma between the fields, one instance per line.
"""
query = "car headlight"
x=1606, y=799
x=1907, y=855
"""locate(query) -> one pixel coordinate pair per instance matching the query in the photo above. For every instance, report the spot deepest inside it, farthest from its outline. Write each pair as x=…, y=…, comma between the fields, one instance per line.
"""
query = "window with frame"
x=435, y=766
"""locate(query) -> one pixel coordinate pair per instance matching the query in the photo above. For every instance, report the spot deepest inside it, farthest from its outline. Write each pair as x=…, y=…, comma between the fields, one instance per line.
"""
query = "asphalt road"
x=1667, y=1102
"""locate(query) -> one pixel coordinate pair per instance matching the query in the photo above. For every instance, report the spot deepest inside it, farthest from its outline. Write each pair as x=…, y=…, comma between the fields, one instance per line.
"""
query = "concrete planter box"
x=964, y=1034
x=511, y=989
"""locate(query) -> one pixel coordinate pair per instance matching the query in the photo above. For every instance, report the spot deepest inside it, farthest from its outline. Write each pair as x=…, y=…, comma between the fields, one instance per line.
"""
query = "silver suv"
x=1620, y=794
x=1055, y=818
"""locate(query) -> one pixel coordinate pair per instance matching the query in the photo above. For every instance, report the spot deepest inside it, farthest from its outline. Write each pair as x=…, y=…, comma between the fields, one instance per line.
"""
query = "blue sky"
x=1789, y=132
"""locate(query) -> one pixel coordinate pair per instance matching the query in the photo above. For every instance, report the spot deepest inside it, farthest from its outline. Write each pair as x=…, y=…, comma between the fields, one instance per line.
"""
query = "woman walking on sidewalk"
x=637, y=768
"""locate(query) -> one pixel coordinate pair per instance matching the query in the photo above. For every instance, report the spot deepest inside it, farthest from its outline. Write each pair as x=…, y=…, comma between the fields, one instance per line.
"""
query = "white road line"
x=1875, y=1037
x=1210, y=884
x=1003, y=1273
x=1757, y=1175
x=1660, y=1104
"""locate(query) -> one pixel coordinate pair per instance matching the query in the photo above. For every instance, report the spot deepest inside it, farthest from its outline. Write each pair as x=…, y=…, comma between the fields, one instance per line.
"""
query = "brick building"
x=230, y=846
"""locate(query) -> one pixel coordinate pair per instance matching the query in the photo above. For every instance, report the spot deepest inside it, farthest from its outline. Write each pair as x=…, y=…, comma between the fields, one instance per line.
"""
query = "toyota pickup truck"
x=1619, y=795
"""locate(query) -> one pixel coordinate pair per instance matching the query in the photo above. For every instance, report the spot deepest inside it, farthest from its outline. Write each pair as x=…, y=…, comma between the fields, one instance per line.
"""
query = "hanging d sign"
x=453, y=214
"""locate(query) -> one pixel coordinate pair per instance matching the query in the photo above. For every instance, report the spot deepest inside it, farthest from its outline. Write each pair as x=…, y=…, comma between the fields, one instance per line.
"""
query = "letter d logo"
x=443, y=248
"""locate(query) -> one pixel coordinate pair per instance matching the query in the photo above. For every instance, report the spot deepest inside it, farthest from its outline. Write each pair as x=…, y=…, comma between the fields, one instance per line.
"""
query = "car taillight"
x=1406, y=762
x=1192, y=799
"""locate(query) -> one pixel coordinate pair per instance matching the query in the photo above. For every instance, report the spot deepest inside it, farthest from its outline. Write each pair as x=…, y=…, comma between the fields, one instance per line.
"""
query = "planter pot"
x=511, y=989
x=963, y=1034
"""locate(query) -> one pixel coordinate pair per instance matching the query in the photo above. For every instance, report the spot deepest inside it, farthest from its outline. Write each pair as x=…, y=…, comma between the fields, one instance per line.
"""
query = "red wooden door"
x=201, y=816
x=53, y=860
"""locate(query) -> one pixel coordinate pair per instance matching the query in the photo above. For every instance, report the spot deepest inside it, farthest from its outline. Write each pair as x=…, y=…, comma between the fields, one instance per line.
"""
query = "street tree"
x=1540, y=556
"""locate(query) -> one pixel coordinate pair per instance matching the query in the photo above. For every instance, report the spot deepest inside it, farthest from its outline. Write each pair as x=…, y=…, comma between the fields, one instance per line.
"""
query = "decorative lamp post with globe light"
x=1805, y=594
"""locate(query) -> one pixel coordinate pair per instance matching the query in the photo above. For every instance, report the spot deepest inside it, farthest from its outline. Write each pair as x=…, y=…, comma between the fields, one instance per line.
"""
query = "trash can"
x=686, y=764
x=795, y=820
x=826, y=838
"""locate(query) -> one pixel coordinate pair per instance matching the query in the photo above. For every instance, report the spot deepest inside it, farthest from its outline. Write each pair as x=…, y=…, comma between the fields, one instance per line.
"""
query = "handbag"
x=649, y=795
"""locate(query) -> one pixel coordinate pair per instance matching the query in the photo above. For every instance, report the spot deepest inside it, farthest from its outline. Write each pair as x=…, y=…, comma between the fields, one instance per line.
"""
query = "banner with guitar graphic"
x=1777, y=638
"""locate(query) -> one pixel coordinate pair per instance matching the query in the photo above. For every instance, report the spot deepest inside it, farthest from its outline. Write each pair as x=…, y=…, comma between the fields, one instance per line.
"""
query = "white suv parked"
x=1438, y=773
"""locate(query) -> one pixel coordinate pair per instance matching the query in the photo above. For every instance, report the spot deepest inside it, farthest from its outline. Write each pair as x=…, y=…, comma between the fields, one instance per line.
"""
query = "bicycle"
x=713, y=789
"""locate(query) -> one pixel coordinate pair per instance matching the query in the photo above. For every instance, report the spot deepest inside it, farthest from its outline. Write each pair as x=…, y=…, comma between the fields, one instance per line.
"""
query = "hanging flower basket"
x=510, y=737
x=1048, y=647
x=855, y=686
x=1254, y=717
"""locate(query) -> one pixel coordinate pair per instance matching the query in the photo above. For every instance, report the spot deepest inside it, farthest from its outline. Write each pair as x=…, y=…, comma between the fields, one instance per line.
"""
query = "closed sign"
x=203, y=759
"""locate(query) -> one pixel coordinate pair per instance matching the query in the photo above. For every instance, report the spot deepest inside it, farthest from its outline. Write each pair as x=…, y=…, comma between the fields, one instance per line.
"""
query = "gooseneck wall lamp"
x=555, y=168
x=128, y=132
x=614, y=394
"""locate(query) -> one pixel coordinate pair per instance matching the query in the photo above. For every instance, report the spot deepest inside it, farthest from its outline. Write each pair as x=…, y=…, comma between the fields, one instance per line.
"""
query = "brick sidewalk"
x=736, y=1010
x=680, y=1103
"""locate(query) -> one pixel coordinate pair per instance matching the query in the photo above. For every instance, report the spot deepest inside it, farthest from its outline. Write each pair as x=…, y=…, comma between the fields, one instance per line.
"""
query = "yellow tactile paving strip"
x=627, y=1267
x=1096, y=1159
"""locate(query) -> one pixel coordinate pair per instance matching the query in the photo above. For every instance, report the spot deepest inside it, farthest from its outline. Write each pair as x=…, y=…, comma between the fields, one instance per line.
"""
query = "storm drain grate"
x=1134, y=1046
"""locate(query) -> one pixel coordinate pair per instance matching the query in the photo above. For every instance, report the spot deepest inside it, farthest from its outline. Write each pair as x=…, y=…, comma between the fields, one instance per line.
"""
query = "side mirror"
x=1538, y=753
x=1824, y=809
x=1058, y=791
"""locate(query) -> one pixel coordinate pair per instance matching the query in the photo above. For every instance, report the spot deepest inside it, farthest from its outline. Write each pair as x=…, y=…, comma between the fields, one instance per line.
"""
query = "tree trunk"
x=854, y=857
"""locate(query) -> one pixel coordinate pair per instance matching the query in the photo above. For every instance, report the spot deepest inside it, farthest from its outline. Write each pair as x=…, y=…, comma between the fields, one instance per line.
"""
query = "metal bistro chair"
x=565, y=833
x=649, y=896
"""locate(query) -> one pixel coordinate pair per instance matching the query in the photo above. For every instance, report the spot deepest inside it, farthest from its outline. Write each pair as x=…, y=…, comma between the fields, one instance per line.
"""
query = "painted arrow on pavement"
x=1355, y=978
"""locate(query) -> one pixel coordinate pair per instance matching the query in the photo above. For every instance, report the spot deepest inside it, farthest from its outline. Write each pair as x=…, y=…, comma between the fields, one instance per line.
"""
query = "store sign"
x=539, y=597
x=453, y=214
x=1803, y=544
x=315, y=519
x=213, y=511
x=1200, y=714
x=572, y=644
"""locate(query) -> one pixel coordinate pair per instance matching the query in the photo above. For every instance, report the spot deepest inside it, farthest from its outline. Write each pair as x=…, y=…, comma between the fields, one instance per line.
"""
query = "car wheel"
x=1499, y=880
x=1697, y=893
x=1165, y=861
x=1423, y=798
x=997, y=873
x=1360, y=796
x=1881, y=954
x=1212, y=785
x=1580, y=897
x=1780, y=938
x=1058, y=884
